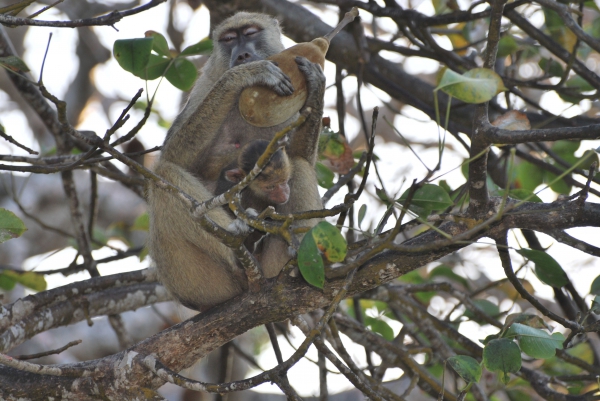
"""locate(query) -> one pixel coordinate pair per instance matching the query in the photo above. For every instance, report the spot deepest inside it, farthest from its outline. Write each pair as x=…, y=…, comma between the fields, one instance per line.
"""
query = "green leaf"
x=143, y=253
x=502, y=356
x=444, y=185
x=551, y=67
x=10, y=225
x=560, y=186
x=524, y=194
x=535, y=342
x=589, y=157
x=7, y=282
x=489, y=308
x=464, y=169
x=380, y=326
x=557, y=29
x=159, y=45
x=447, y=272
x=527, y=319
x=324, y=175
x=101, y=237
x=437, y=370
x=310, y=262
x=358, y=154
x=142, y=223
x=578, y=85
x=529, y=176
x=489, y=338
x=32, y=280
x=571, y=98
x=596, y=304
x=205, y=46
x=478, y=85
x=155, y=68
x=565, y=148
x=382, y=195
x=182, y=74
x=467, y=367
x=577, y=82
x=517, y=395
x=553, y=20
x=414, y=277
x=133, y=54
x=530, y=52
x=432, y=196
x=507, y=46
x=330, y=241
x=14, y=63
x=324, y=137
x=595, y=287
x=547, y=268
x=427, y=198
x=331, y=145
x=361, y=214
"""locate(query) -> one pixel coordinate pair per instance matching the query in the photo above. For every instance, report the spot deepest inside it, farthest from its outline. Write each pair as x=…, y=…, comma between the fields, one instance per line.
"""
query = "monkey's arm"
x=305, y=140
x=201, y=119
x=304, y=193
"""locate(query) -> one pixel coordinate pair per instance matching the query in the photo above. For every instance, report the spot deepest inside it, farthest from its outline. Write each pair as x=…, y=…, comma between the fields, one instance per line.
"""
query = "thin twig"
x=507, y=265
x=10, y=139
x=47, y=353
x=35, y=14
x=108, y=19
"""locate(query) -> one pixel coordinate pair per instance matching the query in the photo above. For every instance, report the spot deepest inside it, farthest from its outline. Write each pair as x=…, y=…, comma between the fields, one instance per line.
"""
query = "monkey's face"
x=270, y=186
x=275, y=192
x=272, y=183
x=242, y=44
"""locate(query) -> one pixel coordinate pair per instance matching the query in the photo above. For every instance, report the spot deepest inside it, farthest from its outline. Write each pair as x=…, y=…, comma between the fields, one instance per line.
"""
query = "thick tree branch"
x=108, y=19
x=183, y=344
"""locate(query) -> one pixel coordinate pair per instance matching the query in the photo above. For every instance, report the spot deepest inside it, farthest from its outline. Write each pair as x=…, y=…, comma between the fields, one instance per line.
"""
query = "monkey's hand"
x=315, y=84
x=266, y=73
x=239, y=227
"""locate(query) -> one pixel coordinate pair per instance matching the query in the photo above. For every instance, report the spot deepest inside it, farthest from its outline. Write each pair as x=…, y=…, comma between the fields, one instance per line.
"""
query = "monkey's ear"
x=235, y=175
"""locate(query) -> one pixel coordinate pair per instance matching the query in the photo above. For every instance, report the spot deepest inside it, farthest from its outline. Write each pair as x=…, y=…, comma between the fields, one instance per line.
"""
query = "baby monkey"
x=269, y=188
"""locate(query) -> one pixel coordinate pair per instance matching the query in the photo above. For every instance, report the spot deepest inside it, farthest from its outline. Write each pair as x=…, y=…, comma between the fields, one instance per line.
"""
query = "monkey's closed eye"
x=228, y=37
x=252, y=30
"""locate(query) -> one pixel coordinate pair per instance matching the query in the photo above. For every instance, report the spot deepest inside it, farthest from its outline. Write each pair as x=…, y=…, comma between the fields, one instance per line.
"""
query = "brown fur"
x=205, y=138
x=276, y=173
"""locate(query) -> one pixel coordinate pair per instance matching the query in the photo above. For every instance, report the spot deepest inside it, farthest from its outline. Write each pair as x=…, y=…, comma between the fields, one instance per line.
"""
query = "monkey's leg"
x=193, y=265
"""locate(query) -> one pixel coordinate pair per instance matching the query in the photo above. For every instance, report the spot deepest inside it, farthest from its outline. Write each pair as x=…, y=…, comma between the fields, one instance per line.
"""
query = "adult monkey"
x=205, y=138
